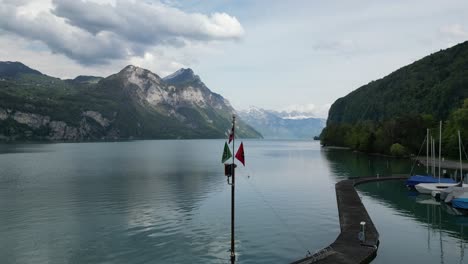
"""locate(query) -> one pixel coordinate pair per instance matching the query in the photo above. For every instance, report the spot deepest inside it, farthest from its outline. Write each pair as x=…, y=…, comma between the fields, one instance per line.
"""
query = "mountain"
x=434, y=85
x=393, y=113
x=282, y=124
x=9, y=69
x=133, y=103
x=84, y=79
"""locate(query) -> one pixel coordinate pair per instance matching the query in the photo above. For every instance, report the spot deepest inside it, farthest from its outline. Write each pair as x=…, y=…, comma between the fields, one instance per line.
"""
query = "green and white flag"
x=226, y=153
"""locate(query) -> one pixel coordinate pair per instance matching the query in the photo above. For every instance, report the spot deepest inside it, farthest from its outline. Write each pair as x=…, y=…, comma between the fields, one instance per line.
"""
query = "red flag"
x=240, y=154
x=231, y=135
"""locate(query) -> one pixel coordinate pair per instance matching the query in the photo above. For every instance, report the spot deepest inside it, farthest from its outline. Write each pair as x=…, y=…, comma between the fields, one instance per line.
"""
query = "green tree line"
x=401, y=136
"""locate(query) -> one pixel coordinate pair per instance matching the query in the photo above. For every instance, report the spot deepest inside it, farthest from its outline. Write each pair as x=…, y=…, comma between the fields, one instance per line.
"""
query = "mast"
x=233, y=254
x=433, y=158
x=427, y=152
x=459, y=150
x=440, y=145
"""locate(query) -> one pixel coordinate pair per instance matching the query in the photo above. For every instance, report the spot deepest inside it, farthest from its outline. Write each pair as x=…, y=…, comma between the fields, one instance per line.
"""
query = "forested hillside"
x=397, y=109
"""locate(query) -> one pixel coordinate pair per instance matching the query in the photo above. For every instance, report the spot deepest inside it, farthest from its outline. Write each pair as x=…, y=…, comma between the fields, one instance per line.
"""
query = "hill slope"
x=391, y=115
x=435, y=85
x=134, y=103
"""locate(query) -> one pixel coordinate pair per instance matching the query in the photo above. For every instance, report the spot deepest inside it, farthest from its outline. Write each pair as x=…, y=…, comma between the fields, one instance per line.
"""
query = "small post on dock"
x=362, y=232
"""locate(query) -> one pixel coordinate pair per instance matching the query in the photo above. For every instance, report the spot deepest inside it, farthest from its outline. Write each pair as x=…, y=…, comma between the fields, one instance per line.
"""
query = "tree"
x=398, y=150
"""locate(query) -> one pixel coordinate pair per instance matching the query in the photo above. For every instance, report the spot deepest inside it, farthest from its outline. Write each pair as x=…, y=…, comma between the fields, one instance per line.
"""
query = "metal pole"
x=440, y=146
x=433, y=158
x=233, y=254
x=427, y=152
x=459, y=150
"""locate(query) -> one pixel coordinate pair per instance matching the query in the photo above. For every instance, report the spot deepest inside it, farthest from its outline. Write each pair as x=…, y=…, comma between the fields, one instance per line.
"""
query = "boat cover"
x=417, y=179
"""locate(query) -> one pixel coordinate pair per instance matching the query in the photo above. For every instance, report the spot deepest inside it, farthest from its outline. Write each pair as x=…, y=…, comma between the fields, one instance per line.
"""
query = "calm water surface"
x=168, y=202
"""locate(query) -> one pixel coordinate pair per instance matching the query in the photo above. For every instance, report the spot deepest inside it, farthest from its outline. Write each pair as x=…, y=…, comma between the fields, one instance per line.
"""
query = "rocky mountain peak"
x=139, y=76
x=181, y=76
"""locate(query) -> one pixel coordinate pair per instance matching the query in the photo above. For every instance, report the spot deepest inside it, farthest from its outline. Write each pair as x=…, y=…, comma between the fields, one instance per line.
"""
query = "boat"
x=444, y=189
x=451, y=192
x=454, y=193
x=459, y=193
x=429, y=188
x=460, y=203
x=415, y=180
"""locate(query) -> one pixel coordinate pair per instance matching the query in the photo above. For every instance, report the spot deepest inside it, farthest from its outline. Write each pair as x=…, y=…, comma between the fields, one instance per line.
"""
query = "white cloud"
x=97, y=32
x=453, y=34
x=307, y=110
x=454, y=31
x=158, y=63
x=343, y=45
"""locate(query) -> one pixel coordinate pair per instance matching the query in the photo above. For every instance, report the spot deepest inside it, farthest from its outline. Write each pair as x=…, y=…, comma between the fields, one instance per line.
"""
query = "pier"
x=348, y=248
x=446, y=164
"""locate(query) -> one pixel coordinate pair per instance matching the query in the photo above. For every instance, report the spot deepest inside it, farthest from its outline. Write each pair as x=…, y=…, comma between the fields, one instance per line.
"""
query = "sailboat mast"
x=459, y=150
x=440, y=145
x=233, y=254
x=433, y=158
x=427, y=152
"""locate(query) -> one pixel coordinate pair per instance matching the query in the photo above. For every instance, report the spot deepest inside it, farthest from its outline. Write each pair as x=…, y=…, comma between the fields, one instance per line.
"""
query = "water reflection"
x=9, y=148
x=103, y=205
x=344, y=164
x=412, y=227
x=168, y=202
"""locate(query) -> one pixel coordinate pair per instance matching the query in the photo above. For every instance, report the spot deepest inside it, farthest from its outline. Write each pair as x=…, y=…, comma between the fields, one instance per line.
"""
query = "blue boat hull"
x=460, y=203
x=417, y=179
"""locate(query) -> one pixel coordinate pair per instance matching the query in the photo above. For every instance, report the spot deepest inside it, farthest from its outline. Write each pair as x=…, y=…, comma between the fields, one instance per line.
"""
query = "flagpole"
x=233, y=254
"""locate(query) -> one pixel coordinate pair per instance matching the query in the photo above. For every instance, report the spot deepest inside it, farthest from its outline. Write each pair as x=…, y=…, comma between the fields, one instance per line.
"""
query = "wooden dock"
x=347, y=248
x=446, y=164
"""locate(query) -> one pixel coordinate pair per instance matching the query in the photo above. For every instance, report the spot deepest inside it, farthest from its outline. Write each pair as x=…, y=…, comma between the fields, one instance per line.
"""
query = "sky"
x=280, y=55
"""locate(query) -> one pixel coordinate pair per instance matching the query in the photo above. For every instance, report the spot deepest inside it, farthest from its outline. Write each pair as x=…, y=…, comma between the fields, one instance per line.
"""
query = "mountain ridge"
x=391, y=115
x=280, y=125
x=132, y=103
x=435, y=85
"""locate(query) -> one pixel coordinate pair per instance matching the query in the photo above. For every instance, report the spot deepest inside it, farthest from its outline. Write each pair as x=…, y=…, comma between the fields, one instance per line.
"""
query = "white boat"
x=435, y=189
x=456, y=192
x=459, y=191
x=428, y=188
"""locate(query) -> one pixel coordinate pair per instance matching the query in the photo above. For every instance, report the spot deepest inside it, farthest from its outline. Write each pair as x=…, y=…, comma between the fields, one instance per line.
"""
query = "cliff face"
x=27, y=123
x=134, y=103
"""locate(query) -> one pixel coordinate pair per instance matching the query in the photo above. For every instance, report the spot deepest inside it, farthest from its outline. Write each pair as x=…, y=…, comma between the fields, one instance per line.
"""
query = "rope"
x=288, y=228
x=466, y=156
x=420, y=149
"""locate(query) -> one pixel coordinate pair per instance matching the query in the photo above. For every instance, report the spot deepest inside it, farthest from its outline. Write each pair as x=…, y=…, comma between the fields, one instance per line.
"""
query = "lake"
x=167, y=201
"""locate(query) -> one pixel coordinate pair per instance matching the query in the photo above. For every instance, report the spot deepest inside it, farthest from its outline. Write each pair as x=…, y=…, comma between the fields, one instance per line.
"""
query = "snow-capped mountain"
x=283, y=124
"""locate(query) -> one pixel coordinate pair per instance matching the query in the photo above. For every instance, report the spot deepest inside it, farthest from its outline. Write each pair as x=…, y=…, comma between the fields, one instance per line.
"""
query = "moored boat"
x=421, y=179
x=428, y=188
x=460, y=203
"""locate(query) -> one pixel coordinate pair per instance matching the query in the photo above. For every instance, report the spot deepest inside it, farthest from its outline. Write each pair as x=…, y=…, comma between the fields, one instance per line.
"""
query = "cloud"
x=94, y=33
x=343, y=45
x=307, y=110
x=455, y=31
